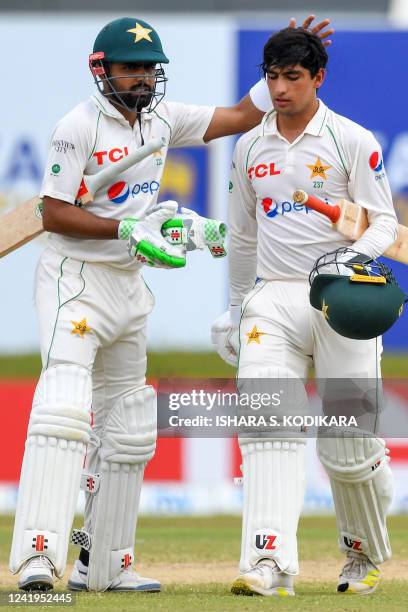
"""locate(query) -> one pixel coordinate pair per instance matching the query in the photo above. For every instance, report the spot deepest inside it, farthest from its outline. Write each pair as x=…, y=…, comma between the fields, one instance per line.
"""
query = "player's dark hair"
x=293, y=46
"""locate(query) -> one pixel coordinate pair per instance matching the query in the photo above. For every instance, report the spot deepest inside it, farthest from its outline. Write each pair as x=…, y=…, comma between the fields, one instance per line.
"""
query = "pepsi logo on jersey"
x=119, y=192
x=376, y=164
x=262, y=170
x=273, y=209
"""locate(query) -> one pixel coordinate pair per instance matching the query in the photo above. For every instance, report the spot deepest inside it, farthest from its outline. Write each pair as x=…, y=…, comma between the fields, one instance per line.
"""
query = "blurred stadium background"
x=215, y=50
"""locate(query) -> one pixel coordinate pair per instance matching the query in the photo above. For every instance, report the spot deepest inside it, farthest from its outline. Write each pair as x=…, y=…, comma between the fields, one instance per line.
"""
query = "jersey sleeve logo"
x=377, y=166
x=376, y=162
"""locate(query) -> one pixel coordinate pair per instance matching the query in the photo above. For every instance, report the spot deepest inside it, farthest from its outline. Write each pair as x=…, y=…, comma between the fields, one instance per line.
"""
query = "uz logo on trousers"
x=265, y=542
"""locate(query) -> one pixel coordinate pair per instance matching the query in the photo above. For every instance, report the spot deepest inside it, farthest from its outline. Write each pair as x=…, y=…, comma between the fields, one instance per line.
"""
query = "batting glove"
x=145, y=241
x=225, y=335
x=196, y=232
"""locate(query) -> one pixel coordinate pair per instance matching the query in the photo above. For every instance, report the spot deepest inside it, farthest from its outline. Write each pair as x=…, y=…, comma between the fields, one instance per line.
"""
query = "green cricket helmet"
x=358, y=296
x=129, y=41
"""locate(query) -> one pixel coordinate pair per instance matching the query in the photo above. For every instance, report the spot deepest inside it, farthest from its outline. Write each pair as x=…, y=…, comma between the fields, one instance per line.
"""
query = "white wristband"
x=260, y=96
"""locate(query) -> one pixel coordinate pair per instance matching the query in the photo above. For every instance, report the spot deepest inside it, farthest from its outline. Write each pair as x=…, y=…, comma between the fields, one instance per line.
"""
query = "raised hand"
x=319, y=28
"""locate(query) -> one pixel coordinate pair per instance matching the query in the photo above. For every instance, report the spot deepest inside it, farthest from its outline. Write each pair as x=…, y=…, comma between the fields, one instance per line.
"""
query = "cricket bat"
x=24, y=223
x=351, y=220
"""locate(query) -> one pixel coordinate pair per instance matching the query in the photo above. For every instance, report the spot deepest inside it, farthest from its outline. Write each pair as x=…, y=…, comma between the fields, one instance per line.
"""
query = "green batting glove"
x=151, y=255
x=175, y=231
x=126, y=228
x=195, y=232
x=145, y=241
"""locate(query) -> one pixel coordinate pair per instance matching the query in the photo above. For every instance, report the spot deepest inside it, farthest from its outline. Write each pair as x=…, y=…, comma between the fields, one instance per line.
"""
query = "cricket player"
x=92, y=305
x=274, y=242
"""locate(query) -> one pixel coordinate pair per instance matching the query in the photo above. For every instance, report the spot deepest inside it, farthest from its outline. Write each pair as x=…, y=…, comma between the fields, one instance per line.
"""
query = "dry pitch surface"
x=196, y=560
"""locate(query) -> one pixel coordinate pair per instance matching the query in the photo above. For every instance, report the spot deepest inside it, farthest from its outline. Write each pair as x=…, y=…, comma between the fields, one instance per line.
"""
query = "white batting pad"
x=290, y=399
x=362, y=486
x=129, y=441
x=58, y=432
x=274, y=480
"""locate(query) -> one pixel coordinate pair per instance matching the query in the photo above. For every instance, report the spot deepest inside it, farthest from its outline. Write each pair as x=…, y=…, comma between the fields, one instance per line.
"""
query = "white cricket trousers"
x=295, y=336
x=281, y=336
x=95, y=316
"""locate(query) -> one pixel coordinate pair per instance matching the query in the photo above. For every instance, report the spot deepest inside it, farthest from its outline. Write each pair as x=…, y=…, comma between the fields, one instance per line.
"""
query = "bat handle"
x=102, y=178
x=90, y=184
x=311, y=201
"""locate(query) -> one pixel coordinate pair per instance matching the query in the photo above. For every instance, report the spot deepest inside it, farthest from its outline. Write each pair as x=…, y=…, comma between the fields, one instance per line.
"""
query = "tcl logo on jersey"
x=262, y=170
x=113, y=155
x=273, y=209
x=265, y=541
x=120, y=191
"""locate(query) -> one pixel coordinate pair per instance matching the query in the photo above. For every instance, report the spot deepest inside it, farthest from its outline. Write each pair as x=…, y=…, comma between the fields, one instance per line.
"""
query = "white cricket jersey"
x=274, y=238
x=95, y=135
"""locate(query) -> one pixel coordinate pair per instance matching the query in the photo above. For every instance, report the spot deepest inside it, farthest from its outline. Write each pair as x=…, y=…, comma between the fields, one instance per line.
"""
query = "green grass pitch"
x=178, y=364
x=196, y=560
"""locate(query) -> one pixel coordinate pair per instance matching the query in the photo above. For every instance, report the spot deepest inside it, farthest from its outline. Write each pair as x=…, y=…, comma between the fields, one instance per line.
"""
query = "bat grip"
x=311, y=201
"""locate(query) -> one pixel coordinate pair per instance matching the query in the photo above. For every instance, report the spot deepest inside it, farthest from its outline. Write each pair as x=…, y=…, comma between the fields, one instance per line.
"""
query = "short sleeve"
x=369, y=187
x=189, y=124
x=67, y=157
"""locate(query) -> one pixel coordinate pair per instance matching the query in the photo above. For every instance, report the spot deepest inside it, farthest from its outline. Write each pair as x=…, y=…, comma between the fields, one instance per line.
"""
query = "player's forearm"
x=64, y=218
x=246, y=115
x=234, y=119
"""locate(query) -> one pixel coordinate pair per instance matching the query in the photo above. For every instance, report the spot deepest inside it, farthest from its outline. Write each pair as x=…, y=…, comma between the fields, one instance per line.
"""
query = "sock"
x=84, y=557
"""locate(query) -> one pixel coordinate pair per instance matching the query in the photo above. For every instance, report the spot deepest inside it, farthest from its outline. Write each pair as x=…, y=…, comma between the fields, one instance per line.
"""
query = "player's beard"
x=137, y=99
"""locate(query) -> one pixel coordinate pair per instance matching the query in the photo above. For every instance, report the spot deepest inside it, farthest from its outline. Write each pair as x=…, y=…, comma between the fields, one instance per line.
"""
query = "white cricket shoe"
x=264, y=578
x=128, y=580
x=37, y=574
x=359, y=575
